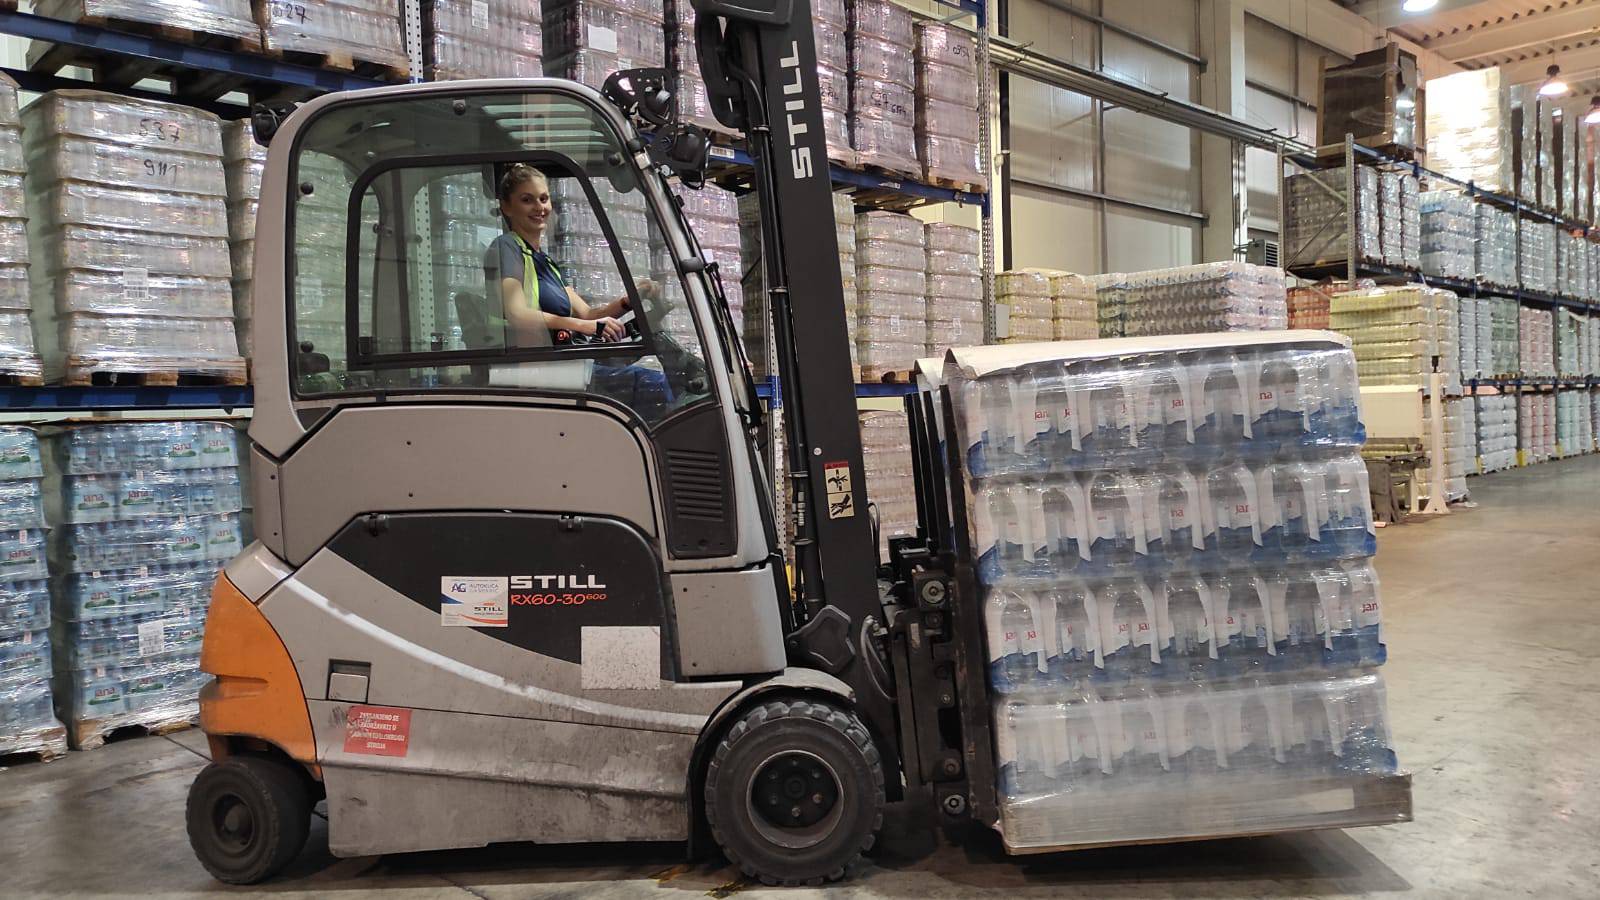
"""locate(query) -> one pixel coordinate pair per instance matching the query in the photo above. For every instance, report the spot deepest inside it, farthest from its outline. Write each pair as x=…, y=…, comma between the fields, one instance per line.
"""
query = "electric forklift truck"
x=511, y=589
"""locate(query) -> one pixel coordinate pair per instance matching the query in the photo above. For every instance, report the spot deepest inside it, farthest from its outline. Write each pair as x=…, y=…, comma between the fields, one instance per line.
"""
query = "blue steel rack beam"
x=75, y=399
x=248, y=67
x=868, y=181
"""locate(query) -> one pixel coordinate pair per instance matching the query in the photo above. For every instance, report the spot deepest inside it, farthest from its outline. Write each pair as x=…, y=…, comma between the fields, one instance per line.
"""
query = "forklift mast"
x=759, y=63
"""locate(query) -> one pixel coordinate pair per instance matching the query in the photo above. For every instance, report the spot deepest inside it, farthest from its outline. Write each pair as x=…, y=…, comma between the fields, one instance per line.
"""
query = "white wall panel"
x=1053, y=230
x=1054, y=133
x=1172, y=22
x=1138, y=240
x=1147, y=159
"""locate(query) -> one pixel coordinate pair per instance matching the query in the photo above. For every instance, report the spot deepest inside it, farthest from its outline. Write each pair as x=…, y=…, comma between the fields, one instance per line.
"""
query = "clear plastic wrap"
x=74, y=203
x=225, y=18
x=1536, y=427
x=1469, y=129
x=121, y=165
x=883, y=106
x=1449, y=231
x=1497, y=432
x=11, y=156
x=1536, y=342
x=27, y=715
x=483, y=39
x=1178, y=608
x=144, y=447
x=1495, y=245
x=954, y=238
x=587, y=40
x=149, y=124
x=1228, y=296
x=18, y=355
x=945, y=45
x=1318, y=213
x=361, y=30
x=1536, y=251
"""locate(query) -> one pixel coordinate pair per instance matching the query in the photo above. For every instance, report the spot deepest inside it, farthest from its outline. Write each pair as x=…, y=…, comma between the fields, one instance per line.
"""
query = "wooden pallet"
x=955, y=184
x=880, y=375
x=18, y=379
x=342, y=62
x=8, y=5
x=85, y=372
x=89, y=734
x=45, y=746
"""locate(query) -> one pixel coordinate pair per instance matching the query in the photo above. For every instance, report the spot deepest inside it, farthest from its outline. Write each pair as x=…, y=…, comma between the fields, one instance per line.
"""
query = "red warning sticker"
x=377, y=730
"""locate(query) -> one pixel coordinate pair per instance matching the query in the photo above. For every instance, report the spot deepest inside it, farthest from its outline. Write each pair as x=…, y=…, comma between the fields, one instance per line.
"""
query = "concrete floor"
x=1492, y=618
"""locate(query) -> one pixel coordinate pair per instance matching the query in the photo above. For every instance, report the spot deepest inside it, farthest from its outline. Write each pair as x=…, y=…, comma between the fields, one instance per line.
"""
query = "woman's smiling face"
x=528, y=207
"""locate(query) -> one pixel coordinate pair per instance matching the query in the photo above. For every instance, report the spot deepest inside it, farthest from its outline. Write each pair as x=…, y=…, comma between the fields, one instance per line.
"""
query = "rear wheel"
x=794, y=792
x=248, y=817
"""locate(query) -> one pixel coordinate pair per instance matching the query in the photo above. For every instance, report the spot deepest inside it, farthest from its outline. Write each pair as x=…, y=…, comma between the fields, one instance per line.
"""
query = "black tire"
x=248, y=817
x=777, y=747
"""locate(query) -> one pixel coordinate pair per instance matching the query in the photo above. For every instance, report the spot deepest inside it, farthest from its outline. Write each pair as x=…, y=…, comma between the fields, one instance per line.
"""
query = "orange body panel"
x=257, y=691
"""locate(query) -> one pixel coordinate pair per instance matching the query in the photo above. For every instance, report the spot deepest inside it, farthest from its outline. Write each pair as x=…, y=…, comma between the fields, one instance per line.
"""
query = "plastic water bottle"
x=1175, y=517
x=1361, y=599
x=1280, y=417
x=1129, y=646
x=1300, y=509
x=1300, y=627
x=1242, y=625
x=1110, y=434
x=994, y=450
x=1143, y=724
x=1066, y=517
x=1166, y=427
x=1222, y=420
x=1075, y=632
x=1235, y=513
x=1116, y=521
x=1350, y=507
x=1195, y=744
x=1188, y=652
x=1059, y=399
x=1016, y=641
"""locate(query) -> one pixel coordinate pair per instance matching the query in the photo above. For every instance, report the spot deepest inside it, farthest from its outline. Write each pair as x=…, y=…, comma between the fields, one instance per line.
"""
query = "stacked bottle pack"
x=1226, y=296
x=1594, y=413
x=242, y=162
x=320, y=221
x=466, y=221
x=1497, y=432
x=1476, y=342
x=344, y=31
x=222, y=18
x=1449, y=231
x=1024, y=306
x=18, y=354
x=27, y=720
x=947, y=94
x=694, y=105
x=1308, y=306
x=587, y=40
x=579, y=246
x=1074, y=308
x=1536, y=342
x=482, y=39
x=955, y=287
x=844, y=229
x=143, y=516
x=1495, y=247
x=830, y=22
x=883, y=108
x=1504, y=349
x=891, y=488
x=713, y=215
x=128, y=211
x=1574, y=430
x=1391, y=218
x=1398, y=332
x=891, y=292
x=1536, y=427
x=1536, y=253
x=1458, y=450
x=1318, y=212
x=1181, y=619
x=1572, y=266
x=1568, y=341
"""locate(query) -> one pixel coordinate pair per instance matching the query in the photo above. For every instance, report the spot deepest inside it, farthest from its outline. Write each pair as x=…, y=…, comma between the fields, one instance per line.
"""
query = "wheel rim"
x=795, y=799
x=234, y=825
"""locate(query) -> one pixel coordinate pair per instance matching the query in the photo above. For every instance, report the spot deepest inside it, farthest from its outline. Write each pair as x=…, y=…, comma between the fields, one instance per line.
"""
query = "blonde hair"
x=518, y=175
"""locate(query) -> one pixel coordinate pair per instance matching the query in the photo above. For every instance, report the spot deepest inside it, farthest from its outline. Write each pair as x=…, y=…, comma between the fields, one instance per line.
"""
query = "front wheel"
x=248, y=816
x=794, y=792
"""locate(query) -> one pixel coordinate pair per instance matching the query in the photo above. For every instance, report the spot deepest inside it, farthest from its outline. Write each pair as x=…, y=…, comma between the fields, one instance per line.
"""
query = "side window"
x=411, y=274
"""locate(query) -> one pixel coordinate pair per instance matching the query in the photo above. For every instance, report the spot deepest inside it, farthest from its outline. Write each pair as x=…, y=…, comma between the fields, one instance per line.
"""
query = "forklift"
x=510, y=589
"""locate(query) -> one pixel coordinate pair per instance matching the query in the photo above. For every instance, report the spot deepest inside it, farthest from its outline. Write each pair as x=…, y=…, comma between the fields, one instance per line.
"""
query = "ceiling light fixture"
x=1553, y=85
x=1416, y=6
x=1593, y=118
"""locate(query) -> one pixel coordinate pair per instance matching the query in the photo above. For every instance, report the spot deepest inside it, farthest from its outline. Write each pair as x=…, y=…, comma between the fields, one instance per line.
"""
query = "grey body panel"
x=728, y=622
x=256, y=571
x=394, y=457
x=331, y=610
x=264, y=488
x=516, y=780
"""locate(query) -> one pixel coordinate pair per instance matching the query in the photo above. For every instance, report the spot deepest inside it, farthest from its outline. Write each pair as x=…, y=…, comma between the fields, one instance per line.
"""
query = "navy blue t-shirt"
x=504, y=260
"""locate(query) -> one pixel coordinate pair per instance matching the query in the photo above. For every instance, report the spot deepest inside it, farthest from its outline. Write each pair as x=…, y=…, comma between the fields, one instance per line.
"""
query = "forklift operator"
x=533, y=321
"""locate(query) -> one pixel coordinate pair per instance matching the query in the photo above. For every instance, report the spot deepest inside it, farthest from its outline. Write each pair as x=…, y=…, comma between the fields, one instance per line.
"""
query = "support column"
x=1222, y=183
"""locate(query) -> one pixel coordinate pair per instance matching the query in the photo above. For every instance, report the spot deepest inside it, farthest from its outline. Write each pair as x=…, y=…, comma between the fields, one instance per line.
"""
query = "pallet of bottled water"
x=143, y=516
x=27, y=717
x=1173, y=540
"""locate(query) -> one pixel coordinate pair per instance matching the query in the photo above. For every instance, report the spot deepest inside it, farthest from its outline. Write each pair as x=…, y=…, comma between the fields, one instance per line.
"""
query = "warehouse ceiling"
x=1522, y=37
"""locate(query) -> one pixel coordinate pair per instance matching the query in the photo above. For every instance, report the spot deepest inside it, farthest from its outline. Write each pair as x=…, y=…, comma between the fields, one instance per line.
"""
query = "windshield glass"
x=483, y=241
